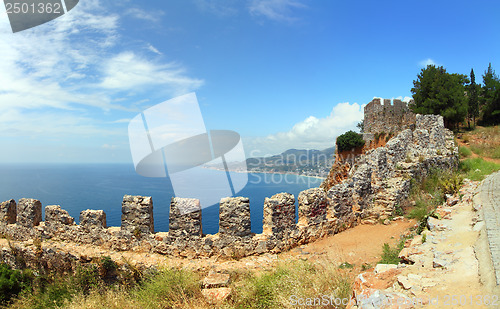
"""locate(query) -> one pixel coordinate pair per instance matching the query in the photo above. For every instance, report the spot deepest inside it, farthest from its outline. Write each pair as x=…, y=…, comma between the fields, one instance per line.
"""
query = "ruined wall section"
x=374, y=185
x=387, y=117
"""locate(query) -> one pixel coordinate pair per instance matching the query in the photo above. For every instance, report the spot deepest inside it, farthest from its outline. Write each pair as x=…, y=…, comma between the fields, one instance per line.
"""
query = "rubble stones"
x=8, y=211
x=54, y=214
x=216, y=280
x=137, y=214
x=216, y=295
x=185, y=217
x=29, y=212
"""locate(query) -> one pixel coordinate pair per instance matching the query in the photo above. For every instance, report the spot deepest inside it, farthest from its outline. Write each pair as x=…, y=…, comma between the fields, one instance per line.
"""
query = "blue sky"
x=282, y=73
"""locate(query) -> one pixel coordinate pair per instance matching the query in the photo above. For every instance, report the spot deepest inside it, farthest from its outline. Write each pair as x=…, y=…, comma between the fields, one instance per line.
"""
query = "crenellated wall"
x=375, y=183
x=387, y=118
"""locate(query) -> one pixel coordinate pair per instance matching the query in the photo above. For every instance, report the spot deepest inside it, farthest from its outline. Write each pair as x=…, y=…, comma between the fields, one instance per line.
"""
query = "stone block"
x=279, y=214
x=234, y=216
x=185, y=217
x=312, y=206
x=8, y=211
x=137, y=214
x=93, y=218
x=29, y=212
x=54, y=214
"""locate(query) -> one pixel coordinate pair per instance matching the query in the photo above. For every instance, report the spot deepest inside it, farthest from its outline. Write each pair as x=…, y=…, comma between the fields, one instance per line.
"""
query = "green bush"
x=349, y=140
x=451, y=185
x=12, y=282
x=108, y=264
x=390, y=255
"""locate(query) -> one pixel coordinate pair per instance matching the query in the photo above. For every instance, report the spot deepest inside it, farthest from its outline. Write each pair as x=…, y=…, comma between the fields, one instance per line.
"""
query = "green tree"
x=473, y=102
x=349, y=141
x=361, y=126
x=437, y=92
x=490, y=97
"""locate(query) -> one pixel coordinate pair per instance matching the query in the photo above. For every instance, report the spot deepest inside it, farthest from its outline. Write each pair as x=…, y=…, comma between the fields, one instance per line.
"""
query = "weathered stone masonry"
x=377, y=181
x=387, y=118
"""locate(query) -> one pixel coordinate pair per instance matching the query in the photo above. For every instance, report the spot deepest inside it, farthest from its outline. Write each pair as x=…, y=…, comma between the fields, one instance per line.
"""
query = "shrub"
x=12, y=282
x=108, y=264
x=349, y=140
x=390, y=255
x=451, y=185
x=346, y=265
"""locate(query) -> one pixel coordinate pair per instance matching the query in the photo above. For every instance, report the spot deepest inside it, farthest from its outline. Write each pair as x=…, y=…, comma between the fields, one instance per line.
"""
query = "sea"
x=77, y=187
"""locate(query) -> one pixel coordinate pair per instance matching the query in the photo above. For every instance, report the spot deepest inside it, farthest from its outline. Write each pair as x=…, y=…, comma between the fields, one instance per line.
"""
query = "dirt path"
x=444, y=269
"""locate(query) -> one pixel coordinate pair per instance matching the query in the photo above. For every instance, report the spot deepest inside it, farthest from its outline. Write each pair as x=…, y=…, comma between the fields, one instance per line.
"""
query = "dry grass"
x=174, y=288
x=484, y=141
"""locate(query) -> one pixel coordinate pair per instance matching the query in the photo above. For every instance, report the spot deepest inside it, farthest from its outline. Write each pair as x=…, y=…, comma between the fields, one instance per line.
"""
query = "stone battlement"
x=389, y=117
x=376, y=183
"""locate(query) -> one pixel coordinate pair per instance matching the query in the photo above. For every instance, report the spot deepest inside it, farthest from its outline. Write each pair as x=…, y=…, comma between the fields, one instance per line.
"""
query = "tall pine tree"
x=437, y=92
x=490, y=97
x=473, y=103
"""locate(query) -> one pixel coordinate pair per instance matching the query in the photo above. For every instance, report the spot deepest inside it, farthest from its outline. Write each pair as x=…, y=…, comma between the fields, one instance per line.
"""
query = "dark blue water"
x=102, y=186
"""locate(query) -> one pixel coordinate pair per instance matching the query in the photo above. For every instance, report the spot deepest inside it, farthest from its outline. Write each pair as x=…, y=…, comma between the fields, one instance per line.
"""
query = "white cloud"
x=310, y=133
x=405, y=99
x=141, y=14
x=127, y=71
x=278, y=10
x=58, y=79
x=221, y=8
x=424, y=63
x=154, y=49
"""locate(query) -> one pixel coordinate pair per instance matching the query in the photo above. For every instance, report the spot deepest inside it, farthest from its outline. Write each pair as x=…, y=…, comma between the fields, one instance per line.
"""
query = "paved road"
x=490, y=197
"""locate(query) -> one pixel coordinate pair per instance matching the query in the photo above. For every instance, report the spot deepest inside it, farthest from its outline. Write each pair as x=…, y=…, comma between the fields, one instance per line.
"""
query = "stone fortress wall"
x=387, y=118
x=378, y=181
